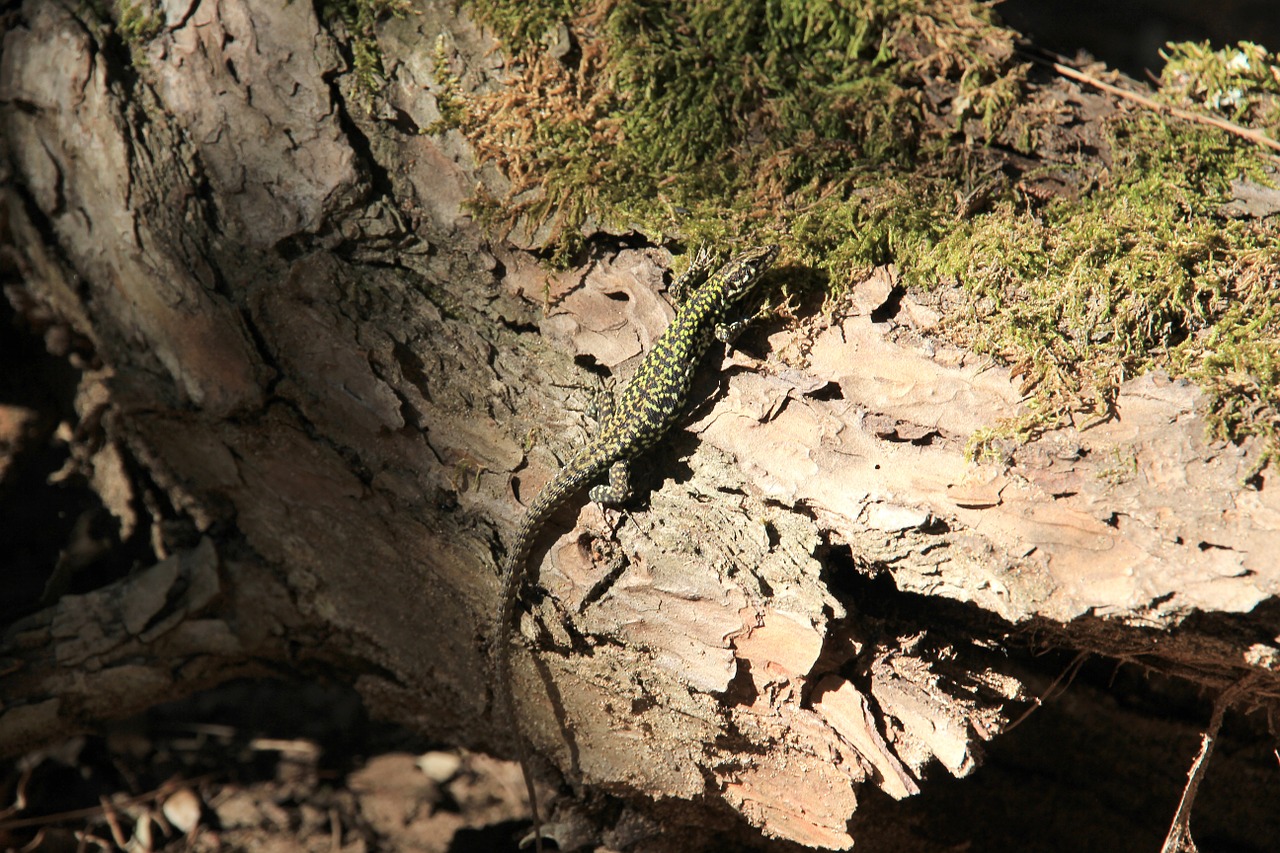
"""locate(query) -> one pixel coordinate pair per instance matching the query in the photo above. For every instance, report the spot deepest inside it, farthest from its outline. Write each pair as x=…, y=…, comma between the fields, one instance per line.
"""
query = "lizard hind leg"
x=618, y=491
x=702, y=265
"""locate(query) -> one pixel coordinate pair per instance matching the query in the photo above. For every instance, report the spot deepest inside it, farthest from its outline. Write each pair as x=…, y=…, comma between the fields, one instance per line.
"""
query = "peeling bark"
x=317, y=398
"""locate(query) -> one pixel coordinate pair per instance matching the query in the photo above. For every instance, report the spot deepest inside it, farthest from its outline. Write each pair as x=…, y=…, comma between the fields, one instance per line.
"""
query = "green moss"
x=1123, y=467
x=1141, y=273
x=835, y=129
x=1240, y=83
x=360, y=17
x=448, y=92
x=524, y=22
x=139, y=21
x=666, y=117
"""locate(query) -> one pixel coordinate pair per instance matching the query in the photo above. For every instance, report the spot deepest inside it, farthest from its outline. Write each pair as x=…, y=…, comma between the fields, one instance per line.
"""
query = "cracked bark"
x=312, y=393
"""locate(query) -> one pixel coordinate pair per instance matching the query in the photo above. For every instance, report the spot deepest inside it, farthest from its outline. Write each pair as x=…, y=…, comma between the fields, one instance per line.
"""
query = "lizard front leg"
x=727, y=333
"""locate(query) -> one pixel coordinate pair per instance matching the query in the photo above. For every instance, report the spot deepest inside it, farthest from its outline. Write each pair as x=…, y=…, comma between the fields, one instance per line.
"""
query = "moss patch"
x=139, y=21
x=861, y=134
x=360, y=18
x=1142, y=272
x=656, y=116
x=1240, y=83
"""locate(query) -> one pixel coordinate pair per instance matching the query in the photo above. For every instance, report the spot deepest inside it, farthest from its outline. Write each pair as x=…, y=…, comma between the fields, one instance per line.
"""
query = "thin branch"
x=1068, y=674
x=1250, y=134
x=105, y=808
x=1179, y=839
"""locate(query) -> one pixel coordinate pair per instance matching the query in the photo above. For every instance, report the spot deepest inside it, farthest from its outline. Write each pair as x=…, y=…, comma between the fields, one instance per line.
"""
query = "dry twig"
x=1248, y=133
x=1179, y=839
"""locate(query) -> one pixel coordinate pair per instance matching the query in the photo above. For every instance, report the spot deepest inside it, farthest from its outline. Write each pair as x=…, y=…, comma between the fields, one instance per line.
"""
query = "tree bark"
x=317, y=395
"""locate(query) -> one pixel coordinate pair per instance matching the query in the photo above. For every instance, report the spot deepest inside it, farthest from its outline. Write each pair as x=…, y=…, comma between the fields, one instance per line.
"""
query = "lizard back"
x=641, y=416
x=658, y=391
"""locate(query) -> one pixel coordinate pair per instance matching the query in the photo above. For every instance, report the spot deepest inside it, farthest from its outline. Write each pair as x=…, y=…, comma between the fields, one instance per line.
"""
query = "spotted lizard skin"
x=640, y=417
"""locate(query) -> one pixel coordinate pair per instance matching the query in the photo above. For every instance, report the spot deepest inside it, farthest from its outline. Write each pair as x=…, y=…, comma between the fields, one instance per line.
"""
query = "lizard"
x=640, y=416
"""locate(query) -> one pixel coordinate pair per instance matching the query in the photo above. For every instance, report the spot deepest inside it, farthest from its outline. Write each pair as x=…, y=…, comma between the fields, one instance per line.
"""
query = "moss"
x=523, y=22
x=1240, y=83
x=139, y=21
x=1141, y=273
x=660, y=118
x=450, y=101
x=837, y=129
x=360, y=17
x=1123, y=467
x=1236, y=358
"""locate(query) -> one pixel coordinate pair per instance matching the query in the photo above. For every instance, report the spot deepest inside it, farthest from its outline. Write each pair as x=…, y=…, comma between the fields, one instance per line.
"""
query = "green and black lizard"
x=640, y=417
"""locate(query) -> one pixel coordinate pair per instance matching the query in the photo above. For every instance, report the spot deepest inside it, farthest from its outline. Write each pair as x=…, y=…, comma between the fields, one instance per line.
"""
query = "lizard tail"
x=574, y=475
x=508, y=701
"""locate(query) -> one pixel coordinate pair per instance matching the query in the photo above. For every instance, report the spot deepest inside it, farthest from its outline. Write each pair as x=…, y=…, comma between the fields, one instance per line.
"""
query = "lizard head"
x=744, y=270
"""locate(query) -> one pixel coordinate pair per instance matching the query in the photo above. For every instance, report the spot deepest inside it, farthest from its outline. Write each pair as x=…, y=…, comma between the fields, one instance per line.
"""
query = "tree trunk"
x=314, y=397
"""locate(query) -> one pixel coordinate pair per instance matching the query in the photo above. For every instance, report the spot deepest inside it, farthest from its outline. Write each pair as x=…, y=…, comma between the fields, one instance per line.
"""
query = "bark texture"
x=315, y=396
